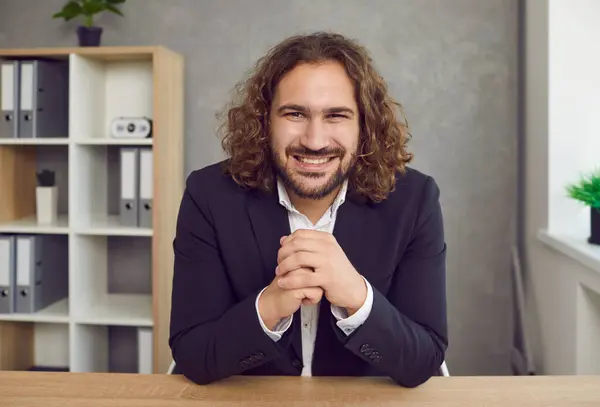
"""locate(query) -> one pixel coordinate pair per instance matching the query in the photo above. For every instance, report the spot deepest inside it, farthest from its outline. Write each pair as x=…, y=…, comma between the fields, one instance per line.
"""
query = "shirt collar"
x=284, y=198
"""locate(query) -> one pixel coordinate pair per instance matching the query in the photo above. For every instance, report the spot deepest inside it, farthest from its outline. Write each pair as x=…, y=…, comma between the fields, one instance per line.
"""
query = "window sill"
x=575, y=247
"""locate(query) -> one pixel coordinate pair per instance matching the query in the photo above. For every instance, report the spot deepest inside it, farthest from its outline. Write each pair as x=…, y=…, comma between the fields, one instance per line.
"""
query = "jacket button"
x=297, y=363
x=366, y=349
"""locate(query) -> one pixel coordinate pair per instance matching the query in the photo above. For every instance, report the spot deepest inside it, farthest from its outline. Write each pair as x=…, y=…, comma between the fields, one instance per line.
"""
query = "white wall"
x=574, y=107
x=562, y=101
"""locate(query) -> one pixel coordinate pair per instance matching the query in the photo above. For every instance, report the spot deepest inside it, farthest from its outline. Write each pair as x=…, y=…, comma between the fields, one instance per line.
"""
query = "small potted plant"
x=88, y=34
x=587, y=191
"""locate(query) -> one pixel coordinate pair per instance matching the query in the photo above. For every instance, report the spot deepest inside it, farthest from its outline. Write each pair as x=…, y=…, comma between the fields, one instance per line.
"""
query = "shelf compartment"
x=18, y=182
x=17, y=339
x=89, y=352
x=102, y=90
x=46, y=262
x=55, y=337
x=111, y=283
x=112, y=348
x=96, y=176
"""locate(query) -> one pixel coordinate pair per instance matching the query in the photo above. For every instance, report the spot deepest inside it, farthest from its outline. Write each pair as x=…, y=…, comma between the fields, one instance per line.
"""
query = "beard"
x=294, y=180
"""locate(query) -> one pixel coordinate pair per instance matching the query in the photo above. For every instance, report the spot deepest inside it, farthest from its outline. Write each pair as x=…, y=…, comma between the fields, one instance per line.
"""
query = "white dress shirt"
x=310, y=313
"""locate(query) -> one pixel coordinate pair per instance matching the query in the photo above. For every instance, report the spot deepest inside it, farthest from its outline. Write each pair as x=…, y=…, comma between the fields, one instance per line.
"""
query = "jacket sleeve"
x=212, y=335
x=405, y=335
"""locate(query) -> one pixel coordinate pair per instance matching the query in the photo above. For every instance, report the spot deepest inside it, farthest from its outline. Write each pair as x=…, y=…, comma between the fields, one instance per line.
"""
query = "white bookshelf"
x=119, y=275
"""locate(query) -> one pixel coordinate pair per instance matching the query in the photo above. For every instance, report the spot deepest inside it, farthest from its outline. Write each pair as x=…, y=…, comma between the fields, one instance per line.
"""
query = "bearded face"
x=314, y=125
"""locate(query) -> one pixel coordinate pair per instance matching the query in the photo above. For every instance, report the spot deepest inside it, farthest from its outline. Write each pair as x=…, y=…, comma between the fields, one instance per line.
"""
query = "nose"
x=315, y=137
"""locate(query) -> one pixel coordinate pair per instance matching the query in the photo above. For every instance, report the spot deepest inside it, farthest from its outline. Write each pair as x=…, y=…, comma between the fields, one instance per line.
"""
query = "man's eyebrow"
x=339, y=109
x=304, y=109
x=291, y=106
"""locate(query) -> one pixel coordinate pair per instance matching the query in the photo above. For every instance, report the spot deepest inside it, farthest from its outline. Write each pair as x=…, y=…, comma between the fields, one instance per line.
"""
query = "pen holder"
x=46, y=204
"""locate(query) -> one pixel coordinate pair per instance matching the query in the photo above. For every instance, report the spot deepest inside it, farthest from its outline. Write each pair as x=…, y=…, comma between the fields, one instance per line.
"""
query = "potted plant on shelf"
x=88, y=33
x=587, y=191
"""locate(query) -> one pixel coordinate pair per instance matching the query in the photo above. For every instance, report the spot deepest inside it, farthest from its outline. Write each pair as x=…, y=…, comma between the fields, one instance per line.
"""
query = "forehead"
x=316, y=86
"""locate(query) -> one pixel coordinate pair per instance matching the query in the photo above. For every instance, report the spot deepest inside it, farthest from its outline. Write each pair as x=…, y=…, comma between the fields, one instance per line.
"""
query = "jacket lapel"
x=270, y=222
x=351, y=232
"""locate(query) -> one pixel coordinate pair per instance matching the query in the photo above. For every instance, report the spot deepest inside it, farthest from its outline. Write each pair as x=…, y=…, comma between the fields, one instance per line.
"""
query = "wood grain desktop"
x=46, y=389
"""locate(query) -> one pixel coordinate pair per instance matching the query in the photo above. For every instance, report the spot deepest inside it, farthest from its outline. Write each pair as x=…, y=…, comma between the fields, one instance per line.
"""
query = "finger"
x=299, y=244
x=300, y=280
x=296, y=261
x=300, y=270
x=312, y=234
x=312, y=295
x=308, y=233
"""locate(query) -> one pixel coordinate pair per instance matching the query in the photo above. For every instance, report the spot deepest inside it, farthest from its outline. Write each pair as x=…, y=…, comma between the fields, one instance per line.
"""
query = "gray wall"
x=453, y=65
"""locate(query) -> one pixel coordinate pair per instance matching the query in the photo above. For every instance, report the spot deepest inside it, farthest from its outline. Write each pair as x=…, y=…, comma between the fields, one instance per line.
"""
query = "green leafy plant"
x=587, y=190
x=88, y=9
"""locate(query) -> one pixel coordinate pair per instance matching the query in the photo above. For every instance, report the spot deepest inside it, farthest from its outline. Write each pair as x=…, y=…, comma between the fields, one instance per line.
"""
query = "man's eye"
x=295, y=114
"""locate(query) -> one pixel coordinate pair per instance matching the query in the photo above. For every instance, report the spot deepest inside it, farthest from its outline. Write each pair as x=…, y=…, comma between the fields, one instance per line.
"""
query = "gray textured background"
x=451, y=63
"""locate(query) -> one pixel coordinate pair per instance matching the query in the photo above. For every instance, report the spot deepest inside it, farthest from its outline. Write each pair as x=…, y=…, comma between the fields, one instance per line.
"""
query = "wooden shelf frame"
x=17, y=203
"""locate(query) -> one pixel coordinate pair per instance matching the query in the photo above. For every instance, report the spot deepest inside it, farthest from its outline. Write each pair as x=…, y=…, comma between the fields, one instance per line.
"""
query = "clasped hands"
x=311, y=264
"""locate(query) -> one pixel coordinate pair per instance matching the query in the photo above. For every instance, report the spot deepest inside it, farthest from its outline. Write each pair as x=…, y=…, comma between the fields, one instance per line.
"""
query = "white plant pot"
x=46, y=204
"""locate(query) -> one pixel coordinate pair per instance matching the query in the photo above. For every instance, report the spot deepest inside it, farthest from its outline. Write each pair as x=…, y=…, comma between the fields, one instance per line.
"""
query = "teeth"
x=314, y=160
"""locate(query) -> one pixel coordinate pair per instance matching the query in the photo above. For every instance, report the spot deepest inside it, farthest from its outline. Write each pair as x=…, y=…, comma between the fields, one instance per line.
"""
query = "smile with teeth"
x=314, y=161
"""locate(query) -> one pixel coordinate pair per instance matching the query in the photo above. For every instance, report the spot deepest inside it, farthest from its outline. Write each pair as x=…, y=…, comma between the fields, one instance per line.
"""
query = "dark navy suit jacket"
x=226, y=252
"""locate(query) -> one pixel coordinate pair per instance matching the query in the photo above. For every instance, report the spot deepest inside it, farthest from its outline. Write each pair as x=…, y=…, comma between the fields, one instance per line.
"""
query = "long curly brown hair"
x=382, y=150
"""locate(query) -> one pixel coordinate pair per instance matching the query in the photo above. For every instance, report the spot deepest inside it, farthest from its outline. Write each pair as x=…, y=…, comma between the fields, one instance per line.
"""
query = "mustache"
x=324, y=152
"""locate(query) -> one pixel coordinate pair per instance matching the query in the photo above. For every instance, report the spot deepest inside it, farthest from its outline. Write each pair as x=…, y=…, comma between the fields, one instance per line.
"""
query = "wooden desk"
x=43, y=389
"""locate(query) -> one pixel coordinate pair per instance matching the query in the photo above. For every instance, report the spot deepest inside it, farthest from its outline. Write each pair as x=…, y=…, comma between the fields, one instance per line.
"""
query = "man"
x=313, y=249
